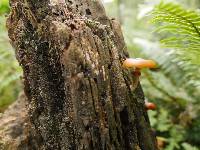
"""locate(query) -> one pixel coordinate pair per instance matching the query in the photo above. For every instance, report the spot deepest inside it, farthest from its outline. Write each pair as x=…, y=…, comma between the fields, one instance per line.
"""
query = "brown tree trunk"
x=78, y=94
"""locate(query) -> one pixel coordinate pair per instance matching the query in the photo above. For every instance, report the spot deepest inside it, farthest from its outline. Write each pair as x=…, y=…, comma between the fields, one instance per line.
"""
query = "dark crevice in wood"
x=88, y=12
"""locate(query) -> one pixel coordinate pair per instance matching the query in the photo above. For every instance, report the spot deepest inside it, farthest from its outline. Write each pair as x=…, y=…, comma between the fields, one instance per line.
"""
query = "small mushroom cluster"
x=138, y=64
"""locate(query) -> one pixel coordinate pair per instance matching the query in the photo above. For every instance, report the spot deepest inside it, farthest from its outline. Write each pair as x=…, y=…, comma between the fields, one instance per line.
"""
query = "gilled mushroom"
x=139, y=63
x=150, y=106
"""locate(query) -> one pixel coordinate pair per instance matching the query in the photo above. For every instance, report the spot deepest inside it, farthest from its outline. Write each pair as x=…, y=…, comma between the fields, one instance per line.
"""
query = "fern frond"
x=181, y=76
x=181, y=28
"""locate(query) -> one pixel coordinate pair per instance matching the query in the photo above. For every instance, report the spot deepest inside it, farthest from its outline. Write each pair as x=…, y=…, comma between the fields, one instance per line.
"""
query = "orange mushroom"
x=150, y=106
x=139, y=63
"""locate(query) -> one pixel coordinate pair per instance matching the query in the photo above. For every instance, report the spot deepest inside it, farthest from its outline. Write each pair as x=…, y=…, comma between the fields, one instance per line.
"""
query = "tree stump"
x=78, y=94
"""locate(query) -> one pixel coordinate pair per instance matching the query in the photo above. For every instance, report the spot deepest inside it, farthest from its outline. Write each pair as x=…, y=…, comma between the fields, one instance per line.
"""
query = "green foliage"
x=179, y=30
x=4, y=8
x=193, y=131
x=9, y=69
x=187, y=146
x=183, y=27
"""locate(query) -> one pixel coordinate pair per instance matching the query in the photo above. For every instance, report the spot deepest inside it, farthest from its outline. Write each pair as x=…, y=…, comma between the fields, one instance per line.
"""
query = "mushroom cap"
x=139, y=63
x=150, y=106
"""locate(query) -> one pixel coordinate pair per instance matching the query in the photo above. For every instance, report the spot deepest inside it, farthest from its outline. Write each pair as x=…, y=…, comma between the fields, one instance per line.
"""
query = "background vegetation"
x=168, y=33
x=174, y=86
x=9, y=69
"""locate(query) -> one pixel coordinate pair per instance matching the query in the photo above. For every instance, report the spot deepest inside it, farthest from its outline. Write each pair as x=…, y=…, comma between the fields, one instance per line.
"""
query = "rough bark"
x=15, y=127
x=78, y=94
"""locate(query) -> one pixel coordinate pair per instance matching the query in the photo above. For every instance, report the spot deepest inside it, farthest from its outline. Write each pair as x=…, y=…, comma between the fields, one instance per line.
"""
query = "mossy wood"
x=78, y=94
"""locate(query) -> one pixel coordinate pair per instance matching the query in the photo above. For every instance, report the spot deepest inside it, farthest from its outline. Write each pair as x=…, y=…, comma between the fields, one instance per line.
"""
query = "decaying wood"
x=15, y=128
x=78, y=94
